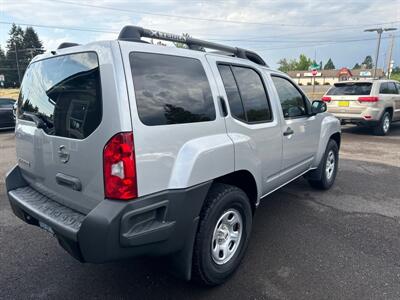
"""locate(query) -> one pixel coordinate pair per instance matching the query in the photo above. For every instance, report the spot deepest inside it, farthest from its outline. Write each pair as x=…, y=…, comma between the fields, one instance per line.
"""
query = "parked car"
x=374, y=103
x=125, y=148
x=6, y=113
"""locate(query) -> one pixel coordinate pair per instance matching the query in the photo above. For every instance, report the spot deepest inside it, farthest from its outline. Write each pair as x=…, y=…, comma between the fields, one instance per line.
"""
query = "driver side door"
x=300, y=129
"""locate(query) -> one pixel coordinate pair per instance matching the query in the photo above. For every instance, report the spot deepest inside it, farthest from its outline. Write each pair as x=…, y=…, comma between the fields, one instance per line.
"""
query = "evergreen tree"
x=357, y=66
x=31, y=43
x=368, y=62
x=14, y=56
x=329, y=65
x=21, y=47
x=304, y=63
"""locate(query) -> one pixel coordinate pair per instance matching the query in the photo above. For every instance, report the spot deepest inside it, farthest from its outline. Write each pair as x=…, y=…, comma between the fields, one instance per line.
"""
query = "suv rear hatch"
x=62, y=129
x=347, y=97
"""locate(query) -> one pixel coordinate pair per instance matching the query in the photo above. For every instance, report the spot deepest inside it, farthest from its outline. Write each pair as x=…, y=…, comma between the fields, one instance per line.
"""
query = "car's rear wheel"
x=328, y=167
x=223, y=234
x=384, y=124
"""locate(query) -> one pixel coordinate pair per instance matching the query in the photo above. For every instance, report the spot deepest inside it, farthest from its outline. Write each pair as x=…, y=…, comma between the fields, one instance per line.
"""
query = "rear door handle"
x=288, y=131
x=69, y=181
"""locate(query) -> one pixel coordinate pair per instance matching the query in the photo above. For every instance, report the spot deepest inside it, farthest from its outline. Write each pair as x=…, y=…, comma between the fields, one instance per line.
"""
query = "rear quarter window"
x=64, y=93
x=387, y=88
x=171, y=89
x=351, y=88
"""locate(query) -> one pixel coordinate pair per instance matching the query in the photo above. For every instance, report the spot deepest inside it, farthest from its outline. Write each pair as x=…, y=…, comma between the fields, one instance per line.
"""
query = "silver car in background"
x=374, y=103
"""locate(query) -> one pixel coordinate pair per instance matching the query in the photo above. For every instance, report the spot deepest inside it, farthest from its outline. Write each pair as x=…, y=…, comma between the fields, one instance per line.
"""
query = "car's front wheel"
x=223, y=234
x=328, y=167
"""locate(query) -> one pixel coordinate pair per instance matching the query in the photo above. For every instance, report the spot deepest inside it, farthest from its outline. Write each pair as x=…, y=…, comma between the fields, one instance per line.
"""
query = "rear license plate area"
x=343, y=103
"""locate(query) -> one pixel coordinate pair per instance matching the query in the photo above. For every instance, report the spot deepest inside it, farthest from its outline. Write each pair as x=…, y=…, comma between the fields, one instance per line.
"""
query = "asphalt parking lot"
x=306, y=244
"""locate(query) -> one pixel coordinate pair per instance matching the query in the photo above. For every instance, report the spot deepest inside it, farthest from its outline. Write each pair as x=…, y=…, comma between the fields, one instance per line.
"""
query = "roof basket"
x=135, y=33
x=67, y=45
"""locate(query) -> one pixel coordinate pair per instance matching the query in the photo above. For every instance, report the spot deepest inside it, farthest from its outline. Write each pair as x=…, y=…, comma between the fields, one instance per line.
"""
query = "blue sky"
x=274, y=28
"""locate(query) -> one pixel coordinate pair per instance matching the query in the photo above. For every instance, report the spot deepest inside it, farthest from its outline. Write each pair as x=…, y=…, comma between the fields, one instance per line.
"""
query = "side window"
x=246, y=94
x=384, y=88
x=171, y=89
x=252, y=92
x=392, y=88
x=398, y=88
x=292, y=101
x=232, y=92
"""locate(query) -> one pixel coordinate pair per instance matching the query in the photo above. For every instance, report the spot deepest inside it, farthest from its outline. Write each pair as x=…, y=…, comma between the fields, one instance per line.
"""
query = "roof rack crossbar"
x=135, y=33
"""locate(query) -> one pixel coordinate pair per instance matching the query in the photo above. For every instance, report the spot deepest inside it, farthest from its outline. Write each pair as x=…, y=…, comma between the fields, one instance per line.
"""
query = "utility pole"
x=16, y=59
x=379, y=31
x=389, y=60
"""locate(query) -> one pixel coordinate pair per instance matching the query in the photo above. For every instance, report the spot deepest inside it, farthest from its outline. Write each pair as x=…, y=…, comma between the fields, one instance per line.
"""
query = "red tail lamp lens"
x=119, y=165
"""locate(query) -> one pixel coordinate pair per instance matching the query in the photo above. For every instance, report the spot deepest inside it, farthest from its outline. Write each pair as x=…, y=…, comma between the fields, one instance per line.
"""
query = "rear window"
x=171, y=89
x=63, y=94
x=350, y=88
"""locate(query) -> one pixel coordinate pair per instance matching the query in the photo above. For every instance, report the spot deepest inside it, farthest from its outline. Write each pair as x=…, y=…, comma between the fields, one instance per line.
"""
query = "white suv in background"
x=374, y=103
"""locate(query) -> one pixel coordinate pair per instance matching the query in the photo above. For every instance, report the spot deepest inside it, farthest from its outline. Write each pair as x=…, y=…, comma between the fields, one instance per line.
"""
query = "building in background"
x=329, y=77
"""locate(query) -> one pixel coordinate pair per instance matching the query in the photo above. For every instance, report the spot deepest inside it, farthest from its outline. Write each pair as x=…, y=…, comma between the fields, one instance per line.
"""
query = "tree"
x=285, y=65
x=21, y=47
x=13, y=56
x=329, y=65
x=304, y=63
x=357, y=66
x=31, y=42
x=368, y=62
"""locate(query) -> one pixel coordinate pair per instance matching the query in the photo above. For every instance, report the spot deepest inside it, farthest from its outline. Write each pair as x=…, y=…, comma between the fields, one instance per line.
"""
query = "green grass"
x=395, y=76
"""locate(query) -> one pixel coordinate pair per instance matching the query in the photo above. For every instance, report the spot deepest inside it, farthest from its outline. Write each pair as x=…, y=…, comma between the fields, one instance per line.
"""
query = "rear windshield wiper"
x=34, y=118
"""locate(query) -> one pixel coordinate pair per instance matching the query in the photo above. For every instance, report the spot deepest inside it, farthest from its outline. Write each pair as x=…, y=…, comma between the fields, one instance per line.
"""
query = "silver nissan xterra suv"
x=125, y=148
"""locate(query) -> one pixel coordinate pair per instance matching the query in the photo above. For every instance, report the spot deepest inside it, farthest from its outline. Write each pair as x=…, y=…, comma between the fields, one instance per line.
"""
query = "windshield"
x=351, y=88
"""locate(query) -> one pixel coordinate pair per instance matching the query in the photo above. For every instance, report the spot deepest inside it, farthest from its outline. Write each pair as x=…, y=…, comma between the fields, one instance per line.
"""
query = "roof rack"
x=67, y=45
x=135, y=33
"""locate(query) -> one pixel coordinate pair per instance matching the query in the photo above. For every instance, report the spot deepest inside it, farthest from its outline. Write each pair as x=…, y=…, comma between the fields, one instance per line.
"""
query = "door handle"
x=69, y=181
x=288, y=131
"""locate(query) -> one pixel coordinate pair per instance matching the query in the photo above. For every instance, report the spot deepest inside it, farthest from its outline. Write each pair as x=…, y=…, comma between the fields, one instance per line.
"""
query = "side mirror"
x=318, y=107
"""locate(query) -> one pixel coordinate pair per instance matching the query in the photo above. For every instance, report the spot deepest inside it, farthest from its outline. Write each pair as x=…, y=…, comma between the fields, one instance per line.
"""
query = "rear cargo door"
x=62, y=128
x=345, y=96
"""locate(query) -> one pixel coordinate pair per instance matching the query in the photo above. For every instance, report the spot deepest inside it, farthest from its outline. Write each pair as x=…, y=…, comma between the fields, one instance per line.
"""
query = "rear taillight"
x=326, y=99
x=368, y=99
x=120, y=167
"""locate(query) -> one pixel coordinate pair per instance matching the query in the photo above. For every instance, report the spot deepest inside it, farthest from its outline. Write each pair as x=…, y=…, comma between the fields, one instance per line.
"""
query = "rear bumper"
x=368, y=116
x=358, y=121
x=158, y=224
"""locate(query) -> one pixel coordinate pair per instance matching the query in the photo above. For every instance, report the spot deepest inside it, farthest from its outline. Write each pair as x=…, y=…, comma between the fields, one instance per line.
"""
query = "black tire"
x=384, y=123
x=326, y=181
x=221, y=199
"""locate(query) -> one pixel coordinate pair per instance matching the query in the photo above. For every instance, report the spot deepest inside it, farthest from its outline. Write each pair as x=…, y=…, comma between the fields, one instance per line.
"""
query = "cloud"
x=288, y=23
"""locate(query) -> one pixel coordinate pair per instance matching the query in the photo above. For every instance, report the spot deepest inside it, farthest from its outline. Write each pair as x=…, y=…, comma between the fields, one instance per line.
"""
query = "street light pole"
x=379, y=31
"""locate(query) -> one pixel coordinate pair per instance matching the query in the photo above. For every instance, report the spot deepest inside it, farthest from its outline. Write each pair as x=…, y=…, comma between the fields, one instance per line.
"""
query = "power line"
x=319, y=44
x=109, y=31
x=197, y=18
x=60, y=27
